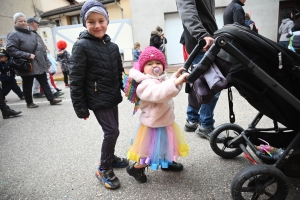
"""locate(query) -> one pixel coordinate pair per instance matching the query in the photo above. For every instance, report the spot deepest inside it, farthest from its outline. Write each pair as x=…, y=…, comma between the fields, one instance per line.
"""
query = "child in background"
x=136, y=54
x=7, y=77
x=63, y=56
x=96, y=84
x=158, y=140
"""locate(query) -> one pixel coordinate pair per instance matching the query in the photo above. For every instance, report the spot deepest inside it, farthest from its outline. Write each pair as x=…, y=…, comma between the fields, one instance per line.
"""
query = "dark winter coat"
x=234, y=12
x=21, y=43
x=95, y=74
x=155, y=40
x=6, y=73
x=64, y=58
x=191, y=11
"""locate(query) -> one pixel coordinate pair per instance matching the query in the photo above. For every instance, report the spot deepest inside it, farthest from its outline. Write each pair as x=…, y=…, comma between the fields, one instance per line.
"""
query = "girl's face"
x=153, y=68
x=96, y=24
x=21, y=22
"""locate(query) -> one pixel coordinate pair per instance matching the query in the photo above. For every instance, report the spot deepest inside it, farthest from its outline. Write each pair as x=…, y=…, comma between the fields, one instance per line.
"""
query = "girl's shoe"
x=174, y=166
x=137, y=173
x=108, y=178
x=67, y=85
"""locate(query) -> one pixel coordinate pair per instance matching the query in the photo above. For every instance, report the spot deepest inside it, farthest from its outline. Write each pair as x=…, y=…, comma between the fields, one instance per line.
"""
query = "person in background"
x=21, y=43
x=199, y=23
x=52, y=70
x=136, y=54
x=7, y=112
x=155, y=39
x=7, y=76
x=234, y=13
x=294, y=34
x=158, y=140
x=285, y=27
x=63, y=56
x=96, y=84
x=250, y=22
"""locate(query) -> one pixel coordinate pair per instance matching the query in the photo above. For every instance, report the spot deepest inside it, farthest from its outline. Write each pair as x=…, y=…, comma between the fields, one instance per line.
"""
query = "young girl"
x=96, y=83
x=158, y=140
x=63, y=56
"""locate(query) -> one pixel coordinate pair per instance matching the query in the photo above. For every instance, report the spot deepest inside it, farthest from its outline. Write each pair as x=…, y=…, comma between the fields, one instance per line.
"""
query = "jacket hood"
x=87, y=35
x=139, y=76
x=154, y=32
x=284, y=21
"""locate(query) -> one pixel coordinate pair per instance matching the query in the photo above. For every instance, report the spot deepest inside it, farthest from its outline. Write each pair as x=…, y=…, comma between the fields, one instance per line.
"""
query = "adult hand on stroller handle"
x=192, y=56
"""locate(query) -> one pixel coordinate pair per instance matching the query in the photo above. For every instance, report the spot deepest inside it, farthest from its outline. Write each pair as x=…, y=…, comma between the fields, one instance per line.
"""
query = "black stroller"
x=268, y=77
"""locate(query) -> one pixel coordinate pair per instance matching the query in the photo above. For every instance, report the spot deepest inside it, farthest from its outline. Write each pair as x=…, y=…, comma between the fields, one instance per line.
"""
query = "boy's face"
x=96, y=24
x=3, y=58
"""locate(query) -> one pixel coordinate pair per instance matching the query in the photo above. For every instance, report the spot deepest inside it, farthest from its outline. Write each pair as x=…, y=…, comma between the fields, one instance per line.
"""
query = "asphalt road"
x=48, y=153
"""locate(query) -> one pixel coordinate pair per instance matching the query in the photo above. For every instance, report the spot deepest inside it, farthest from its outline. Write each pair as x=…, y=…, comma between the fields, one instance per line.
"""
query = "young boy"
x=7, y=76
x=96, y=84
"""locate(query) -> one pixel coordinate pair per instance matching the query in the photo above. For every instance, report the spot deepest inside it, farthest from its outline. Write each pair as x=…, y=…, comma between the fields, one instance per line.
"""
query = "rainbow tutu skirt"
x=157, y=146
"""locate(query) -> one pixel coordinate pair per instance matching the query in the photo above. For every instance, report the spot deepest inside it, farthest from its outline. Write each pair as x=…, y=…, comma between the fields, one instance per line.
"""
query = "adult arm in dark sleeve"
x=77, y=81
x=239, y=15
x=190, y=18
x=12, y=47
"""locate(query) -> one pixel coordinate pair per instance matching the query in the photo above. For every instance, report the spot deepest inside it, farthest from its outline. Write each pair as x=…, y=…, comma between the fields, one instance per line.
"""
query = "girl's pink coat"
x=156, y=95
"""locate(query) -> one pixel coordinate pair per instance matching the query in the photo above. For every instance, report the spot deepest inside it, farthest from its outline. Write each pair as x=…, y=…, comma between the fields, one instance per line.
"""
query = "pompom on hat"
x=61, y=45
x=151, y=53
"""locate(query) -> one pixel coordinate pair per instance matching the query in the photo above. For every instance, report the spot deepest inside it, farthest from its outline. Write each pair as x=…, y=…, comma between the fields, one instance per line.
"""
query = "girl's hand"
x=179, y=71
x=181, y=79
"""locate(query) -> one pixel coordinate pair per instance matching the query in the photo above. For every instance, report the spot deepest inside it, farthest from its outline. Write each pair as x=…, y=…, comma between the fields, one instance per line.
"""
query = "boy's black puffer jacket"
x=95, y=74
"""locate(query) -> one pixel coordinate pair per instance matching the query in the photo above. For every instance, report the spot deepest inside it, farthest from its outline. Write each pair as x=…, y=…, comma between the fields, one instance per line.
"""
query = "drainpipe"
x=120, y=8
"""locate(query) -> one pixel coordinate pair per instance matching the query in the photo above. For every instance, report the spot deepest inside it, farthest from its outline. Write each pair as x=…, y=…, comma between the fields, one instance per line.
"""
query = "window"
x=57, y=23
x=75, y=19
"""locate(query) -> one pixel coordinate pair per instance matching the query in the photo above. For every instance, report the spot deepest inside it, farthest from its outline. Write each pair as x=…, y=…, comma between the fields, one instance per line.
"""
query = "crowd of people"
x=157, y=141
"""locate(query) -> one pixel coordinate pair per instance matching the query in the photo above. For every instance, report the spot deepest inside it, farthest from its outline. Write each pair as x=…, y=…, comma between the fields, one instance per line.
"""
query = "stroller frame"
x=242, y=140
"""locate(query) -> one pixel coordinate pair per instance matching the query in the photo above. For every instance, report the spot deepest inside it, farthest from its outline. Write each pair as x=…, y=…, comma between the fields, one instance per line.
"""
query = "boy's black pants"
x=109, y=121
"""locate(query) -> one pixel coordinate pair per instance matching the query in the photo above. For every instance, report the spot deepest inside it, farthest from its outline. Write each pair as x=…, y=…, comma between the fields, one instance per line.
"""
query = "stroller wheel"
x=230, y=131
x=260, y=182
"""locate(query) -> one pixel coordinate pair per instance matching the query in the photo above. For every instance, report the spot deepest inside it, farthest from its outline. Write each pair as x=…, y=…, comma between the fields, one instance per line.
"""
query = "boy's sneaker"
x=137, y=173
x=174, y=166
x=206, y=133
x=190, y=127
x=108, y=178
x=119, y=162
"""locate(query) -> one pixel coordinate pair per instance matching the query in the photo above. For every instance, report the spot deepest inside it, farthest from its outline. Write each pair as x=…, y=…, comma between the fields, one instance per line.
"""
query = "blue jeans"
x=206, y=113
x=284, y=43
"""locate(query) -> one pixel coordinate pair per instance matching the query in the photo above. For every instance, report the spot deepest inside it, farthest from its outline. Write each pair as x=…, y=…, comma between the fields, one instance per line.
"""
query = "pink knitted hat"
x=151, y=53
